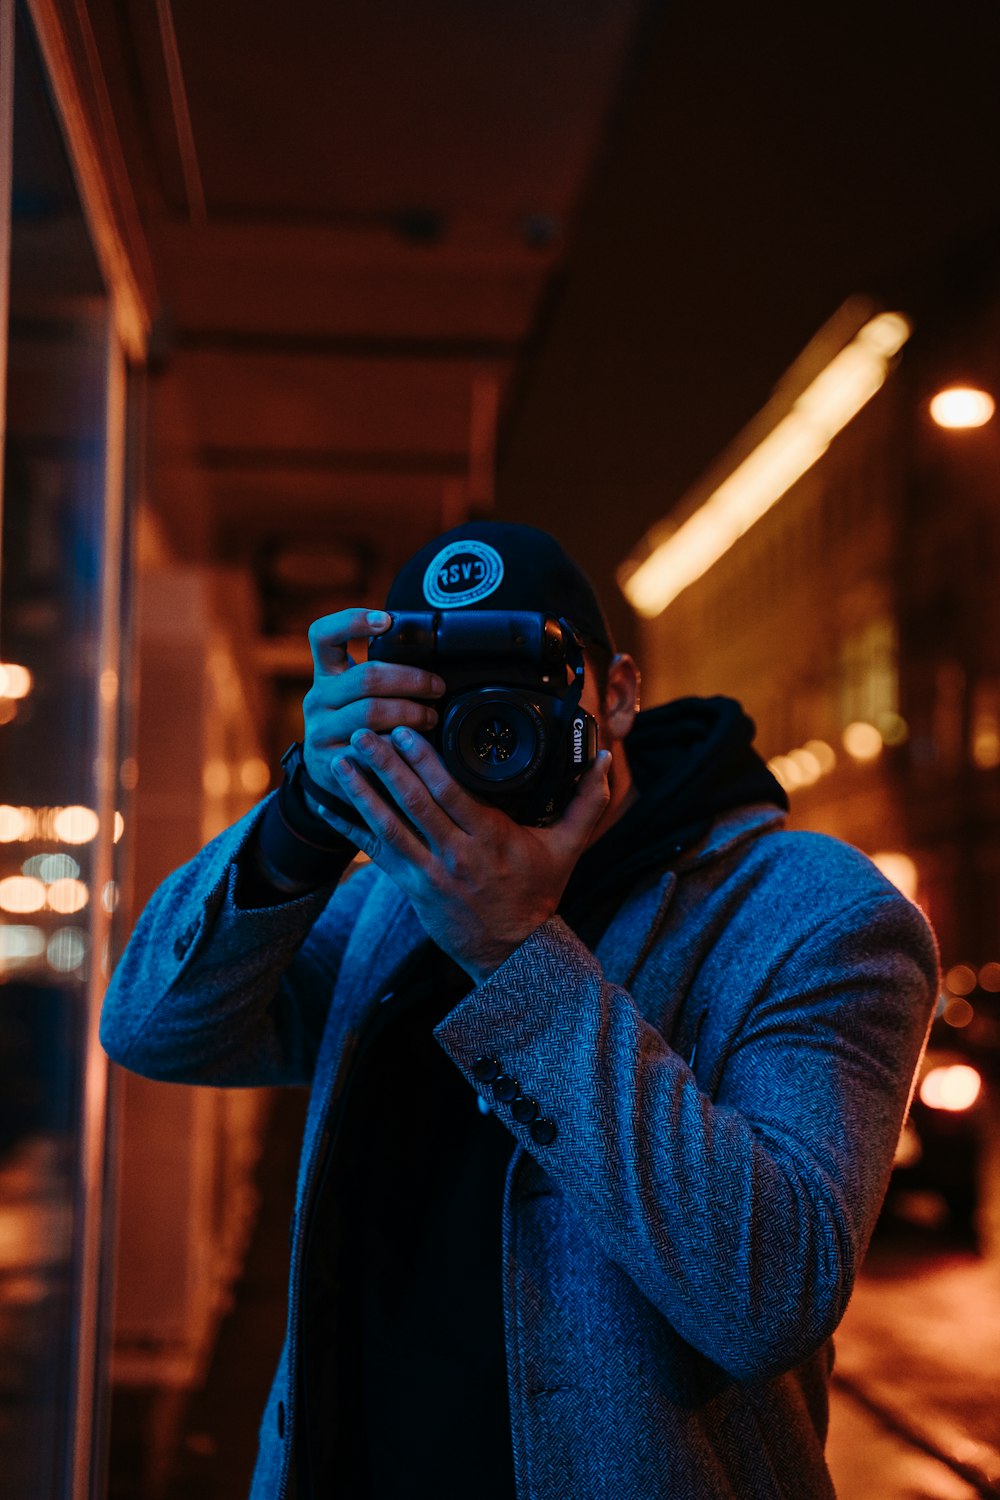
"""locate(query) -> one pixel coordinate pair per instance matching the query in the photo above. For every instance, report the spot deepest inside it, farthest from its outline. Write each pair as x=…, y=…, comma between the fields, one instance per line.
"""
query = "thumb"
x=592, y=797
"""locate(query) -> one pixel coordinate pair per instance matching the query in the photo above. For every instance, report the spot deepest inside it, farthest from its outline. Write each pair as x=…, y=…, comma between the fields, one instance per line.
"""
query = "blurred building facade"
x=857, y=620
x=185, y=1194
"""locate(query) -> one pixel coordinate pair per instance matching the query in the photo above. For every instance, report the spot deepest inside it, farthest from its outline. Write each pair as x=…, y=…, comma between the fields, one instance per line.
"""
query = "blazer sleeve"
x=742, y=1217
x=209, y=992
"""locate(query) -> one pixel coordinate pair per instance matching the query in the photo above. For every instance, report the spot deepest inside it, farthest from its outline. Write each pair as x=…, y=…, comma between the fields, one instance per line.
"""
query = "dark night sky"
x=767, y=162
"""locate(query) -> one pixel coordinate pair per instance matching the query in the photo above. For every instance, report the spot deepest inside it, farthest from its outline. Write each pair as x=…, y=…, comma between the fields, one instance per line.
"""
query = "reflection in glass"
x=50, y=618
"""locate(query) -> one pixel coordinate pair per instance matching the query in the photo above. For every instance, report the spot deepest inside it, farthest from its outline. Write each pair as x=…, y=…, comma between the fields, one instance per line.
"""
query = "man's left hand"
x=479, y=882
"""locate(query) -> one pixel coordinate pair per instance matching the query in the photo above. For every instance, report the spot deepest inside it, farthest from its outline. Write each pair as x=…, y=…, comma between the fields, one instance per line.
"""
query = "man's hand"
x=347, y=695
x=479, y=882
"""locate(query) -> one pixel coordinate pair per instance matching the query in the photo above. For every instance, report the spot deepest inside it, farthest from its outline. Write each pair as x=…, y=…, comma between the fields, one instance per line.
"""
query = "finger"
x=582, y=815
x=329, y=635
x=392, y=846
x=406, y=789
x=334, y=726
x=328, y=732
x=375, y=679
x=464, y=811
x=383, y=715
x=343, y=820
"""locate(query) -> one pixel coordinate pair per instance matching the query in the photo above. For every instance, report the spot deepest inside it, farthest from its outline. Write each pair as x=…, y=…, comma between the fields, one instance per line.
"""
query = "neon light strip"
x=825, y=407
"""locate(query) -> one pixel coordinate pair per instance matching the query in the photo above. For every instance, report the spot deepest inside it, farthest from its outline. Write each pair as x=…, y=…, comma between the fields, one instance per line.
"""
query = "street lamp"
x=962, y=406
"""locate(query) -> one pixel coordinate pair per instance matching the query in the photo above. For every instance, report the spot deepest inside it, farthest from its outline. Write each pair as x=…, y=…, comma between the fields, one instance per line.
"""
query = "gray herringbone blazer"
x=728, y=1073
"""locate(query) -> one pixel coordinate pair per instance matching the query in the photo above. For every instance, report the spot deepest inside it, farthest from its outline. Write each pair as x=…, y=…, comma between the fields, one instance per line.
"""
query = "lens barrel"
x=494, y=737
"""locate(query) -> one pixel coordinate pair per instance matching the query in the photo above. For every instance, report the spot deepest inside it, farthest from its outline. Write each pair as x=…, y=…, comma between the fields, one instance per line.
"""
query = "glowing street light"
x=962, y=406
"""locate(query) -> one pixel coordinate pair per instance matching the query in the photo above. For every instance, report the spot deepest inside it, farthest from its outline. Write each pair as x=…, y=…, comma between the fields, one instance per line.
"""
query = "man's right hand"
x=347, y=695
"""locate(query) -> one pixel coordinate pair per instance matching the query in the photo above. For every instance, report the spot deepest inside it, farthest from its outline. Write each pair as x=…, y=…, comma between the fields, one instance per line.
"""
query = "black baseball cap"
x=501, y=565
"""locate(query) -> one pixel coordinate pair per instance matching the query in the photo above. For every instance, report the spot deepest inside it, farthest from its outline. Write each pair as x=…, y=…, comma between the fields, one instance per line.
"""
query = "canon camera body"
x=510, y=727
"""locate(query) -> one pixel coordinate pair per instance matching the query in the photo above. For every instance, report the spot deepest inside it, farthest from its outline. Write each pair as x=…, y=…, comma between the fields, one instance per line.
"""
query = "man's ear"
x=621, y=697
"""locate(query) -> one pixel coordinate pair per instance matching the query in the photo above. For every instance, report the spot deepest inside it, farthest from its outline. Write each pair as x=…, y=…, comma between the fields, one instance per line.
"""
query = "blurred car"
x=938, y=1156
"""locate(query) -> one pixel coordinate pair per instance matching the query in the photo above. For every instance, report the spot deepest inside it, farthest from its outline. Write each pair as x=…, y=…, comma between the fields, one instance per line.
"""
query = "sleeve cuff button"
x=506, y=1089
x=543, y=1132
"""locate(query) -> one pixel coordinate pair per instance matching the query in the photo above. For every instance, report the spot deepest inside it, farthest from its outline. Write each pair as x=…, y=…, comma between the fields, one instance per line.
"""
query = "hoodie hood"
x=691, y=760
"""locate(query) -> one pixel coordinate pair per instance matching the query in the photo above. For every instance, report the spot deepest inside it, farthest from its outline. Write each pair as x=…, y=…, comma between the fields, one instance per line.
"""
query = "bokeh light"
x=824, y=753
x=986, y=742
x=15, y=681
x=808, y=766
x=15, y=823
x=255, y=774
x=22, y=893
x=215, y=778
x=960, y=979
x=962, y=406
x=958, y=1012
x=955, y=1087
x=19, y=942
x=67, y=896
x=893, y=728
x=900, y=869
x=75, y=825
x=50, y=867
x=784, y=770
x=67, y=949
x=862, y=741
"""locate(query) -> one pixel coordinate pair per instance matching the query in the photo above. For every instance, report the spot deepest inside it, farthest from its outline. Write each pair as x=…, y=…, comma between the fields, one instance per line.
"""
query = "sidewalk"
x=915, y=1401
x=916, y=1388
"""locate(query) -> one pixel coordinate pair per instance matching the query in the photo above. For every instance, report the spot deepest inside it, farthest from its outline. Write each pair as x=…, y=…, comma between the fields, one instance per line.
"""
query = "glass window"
x=59, y=633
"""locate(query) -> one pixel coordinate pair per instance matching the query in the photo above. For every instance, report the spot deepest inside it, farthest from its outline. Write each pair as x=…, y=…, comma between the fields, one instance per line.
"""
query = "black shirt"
x=403, y=1331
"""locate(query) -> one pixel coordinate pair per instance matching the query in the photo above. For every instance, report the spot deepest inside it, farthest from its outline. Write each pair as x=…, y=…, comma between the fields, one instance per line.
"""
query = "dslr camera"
x=510, y=727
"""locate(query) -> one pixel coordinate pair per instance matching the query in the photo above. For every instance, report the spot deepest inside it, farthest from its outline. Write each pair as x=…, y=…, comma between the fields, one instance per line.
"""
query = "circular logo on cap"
x=462, y=573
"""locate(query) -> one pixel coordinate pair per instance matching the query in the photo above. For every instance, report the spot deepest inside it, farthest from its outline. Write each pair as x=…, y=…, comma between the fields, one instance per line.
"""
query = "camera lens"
x=495, y=740
x=494, y=737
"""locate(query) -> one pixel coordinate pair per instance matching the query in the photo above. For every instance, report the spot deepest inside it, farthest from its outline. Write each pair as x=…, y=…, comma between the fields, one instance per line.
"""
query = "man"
x=602, y=1112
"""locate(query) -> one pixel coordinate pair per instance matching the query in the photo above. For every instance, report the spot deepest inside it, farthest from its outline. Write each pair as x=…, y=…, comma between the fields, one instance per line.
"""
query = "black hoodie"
x=690, y=760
